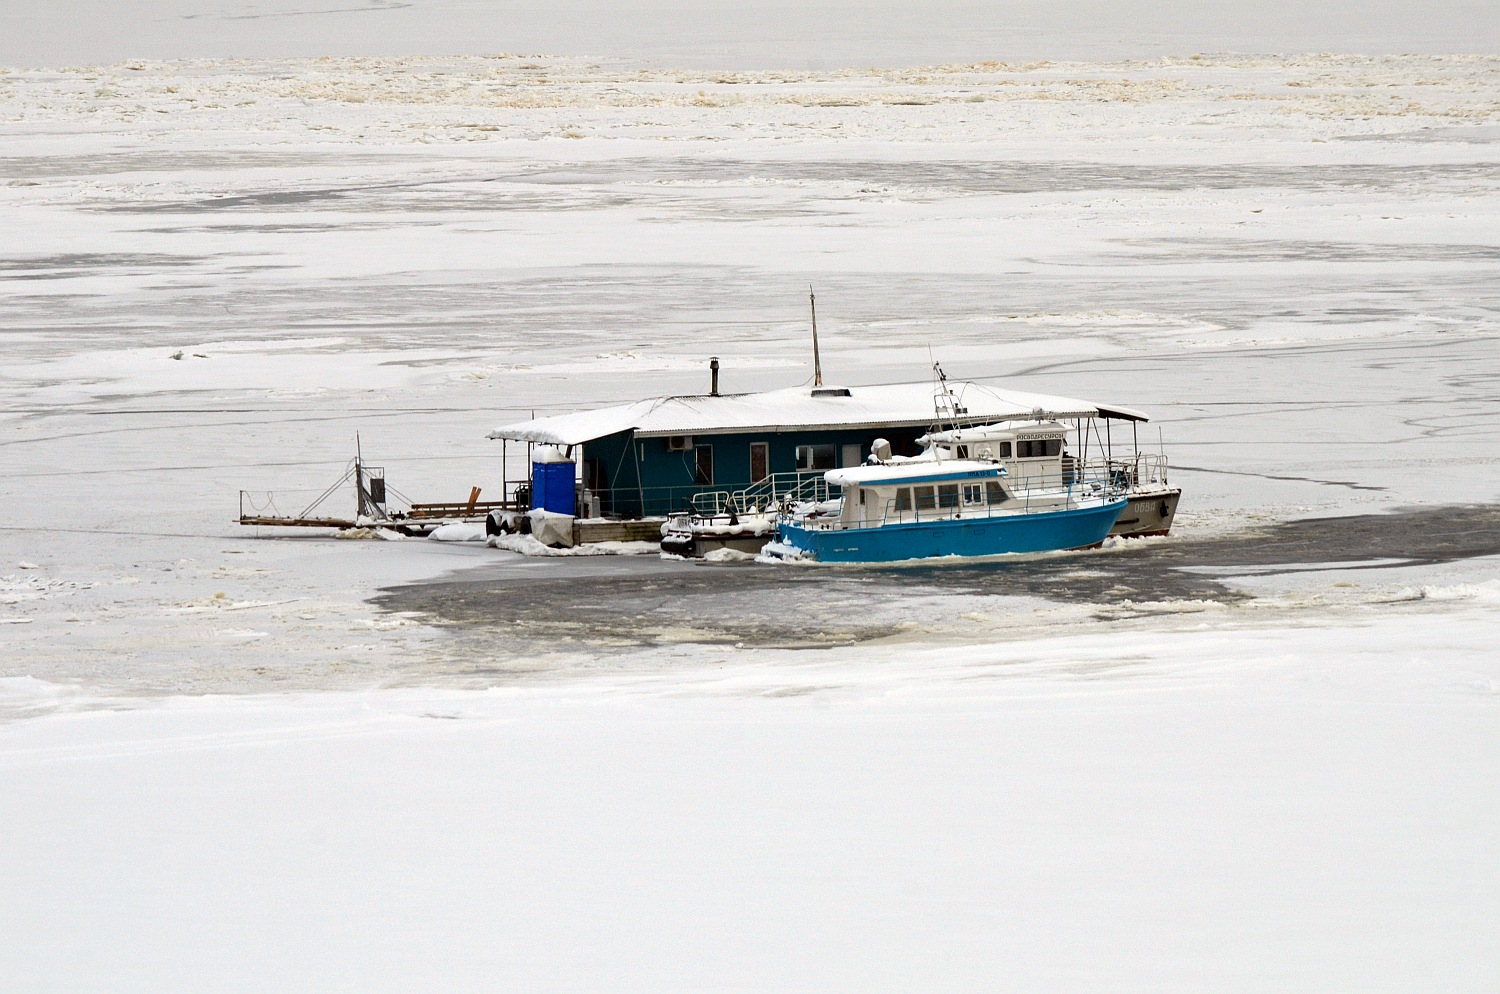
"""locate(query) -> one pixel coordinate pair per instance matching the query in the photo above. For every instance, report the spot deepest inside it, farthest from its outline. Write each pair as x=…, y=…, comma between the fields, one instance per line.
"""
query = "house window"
x=926, y=498
x=760, y=461
x=703, y=465
x=948, y=495
x=814, y=457
x=903, y=499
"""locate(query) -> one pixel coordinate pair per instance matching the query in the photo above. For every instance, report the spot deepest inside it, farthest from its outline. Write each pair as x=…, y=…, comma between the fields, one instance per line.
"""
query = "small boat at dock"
x=694, y=535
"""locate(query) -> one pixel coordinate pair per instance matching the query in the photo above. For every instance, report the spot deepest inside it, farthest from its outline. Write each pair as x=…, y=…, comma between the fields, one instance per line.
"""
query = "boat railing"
x=1137, y=471
x=711, y=503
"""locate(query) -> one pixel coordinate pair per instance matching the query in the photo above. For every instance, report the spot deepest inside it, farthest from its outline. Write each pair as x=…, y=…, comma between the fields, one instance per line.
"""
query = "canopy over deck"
x=894, y=405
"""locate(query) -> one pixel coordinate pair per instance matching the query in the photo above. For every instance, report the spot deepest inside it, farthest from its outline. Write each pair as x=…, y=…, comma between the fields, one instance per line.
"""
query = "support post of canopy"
x=640, y=456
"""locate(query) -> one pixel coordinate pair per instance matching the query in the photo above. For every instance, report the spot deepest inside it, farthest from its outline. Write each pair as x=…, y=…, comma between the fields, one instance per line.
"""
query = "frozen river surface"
x=1252, y=756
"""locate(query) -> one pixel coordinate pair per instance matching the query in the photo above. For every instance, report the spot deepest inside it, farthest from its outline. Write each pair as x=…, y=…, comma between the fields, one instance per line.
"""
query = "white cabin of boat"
x=918, y=490
x=1034, y=453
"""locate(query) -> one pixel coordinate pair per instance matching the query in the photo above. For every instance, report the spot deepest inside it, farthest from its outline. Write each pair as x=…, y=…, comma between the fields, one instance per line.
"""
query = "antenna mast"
x=812, y=302
x=359, y=478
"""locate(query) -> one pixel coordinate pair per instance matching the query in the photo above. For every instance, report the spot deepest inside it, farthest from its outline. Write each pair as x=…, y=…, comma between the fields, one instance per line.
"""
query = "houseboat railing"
x=781, y=488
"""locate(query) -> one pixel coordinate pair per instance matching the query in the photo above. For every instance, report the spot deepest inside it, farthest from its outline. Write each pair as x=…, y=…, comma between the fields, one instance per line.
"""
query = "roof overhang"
x=1119, y=413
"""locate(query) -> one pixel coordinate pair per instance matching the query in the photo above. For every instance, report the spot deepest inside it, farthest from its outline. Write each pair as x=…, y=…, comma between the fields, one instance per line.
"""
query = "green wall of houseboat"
x=642, y=476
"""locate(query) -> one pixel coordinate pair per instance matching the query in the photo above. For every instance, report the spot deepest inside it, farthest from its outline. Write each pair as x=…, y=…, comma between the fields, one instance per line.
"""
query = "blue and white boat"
x=895, y=509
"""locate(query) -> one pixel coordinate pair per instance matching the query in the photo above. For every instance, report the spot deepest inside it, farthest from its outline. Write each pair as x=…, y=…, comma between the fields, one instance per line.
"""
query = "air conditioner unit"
x=679, y=443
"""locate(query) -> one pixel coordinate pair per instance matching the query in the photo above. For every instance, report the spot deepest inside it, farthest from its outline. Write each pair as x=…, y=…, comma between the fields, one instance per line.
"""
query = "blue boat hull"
x=1046, y=531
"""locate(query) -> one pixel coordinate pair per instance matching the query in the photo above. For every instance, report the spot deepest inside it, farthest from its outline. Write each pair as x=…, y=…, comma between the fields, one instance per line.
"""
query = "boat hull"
x=1048, y=531
x=1148, y=513
x=698, y=546
x=694, y=538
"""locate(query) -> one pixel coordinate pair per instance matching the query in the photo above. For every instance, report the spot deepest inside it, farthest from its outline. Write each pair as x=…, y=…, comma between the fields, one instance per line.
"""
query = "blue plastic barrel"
x=552, y=486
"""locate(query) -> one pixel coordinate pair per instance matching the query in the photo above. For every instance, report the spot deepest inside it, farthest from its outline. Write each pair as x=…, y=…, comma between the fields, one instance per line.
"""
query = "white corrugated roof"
x=915, y=471
x=898, y=405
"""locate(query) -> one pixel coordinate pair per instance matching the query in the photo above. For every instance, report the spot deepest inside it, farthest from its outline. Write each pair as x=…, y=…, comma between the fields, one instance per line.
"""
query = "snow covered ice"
x=244, y=761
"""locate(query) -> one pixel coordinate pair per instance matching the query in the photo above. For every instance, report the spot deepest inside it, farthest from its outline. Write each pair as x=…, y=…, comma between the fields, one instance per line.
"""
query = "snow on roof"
x=888, y=405
x=916, y=471
x=1001, y=429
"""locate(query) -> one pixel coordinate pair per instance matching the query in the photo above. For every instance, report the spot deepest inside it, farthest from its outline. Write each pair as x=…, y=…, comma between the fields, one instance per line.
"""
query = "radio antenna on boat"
x=945, y=402
x=812, y=302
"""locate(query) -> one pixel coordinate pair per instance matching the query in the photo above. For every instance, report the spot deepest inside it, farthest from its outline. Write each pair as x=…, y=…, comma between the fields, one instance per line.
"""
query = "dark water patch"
x=290, y=227
x=1289, y=479
x=39, y=167
x=374, y=6
x=1148, y=251
x=943, y=177
x=70, y=265
x=1466, y=135
x=815, y=186
x=457, y=194
x=597, y=603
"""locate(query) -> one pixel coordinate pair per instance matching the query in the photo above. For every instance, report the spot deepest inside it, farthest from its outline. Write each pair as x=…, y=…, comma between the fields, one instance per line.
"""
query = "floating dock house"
x=664, y=455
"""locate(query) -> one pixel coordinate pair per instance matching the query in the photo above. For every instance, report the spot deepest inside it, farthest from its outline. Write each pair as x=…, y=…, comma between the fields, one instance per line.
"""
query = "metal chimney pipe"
x=713, y=369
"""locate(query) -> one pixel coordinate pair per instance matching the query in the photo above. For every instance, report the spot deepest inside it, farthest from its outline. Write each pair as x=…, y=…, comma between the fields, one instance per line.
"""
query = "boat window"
x=861, y=496
x=1002, y=450
x=1032, y=448
x=926, y=498
x=948, y=495
x=994, y=492
x=814, y=457
x=903, y=499
x=961, y=452
x=973, y=493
